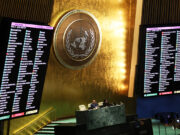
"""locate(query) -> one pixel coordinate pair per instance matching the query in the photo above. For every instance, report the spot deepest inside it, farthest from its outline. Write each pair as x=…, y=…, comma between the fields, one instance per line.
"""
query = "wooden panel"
x=39, y=10
x=160, y=11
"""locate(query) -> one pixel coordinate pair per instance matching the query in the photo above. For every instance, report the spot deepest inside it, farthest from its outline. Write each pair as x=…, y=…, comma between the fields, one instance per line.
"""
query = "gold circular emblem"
x=77, y=39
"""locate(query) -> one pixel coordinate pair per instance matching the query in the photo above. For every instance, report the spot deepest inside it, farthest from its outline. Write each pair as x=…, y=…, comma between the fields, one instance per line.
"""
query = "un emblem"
x=77, y=39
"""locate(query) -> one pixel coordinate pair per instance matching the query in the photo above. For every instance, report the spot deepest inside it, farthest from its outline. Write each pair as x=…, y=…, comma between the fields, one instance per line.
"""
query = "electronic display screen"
x=159, y=60
x=24, y=53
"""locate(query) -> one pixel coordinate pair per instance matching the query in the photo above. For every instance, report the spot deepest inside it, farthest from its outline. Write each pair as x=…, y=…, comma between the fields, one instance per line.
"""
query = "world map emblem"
x=77, y=39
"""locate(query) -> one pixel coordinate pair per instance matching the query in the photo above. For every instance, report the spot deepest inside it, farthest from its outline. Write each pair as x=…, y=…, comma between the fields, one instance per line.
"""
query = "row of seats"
x=167, y=117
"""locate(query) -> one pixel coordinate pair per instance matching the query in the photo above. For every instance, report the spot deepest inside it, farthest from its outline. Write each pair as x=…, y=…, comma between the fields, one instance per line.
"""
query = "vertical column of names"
x=177, y=58
x=41, y=45
x=150, y=62
x=166, y=61
x=23, y=81
x=8, y=83
x=177, y=64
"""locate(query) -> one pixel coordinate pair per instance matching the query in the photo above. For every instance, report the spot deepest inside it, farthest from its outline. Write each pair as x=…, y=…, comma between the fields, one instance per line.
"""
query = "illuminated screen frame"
x=146, y=39
x=25, y=45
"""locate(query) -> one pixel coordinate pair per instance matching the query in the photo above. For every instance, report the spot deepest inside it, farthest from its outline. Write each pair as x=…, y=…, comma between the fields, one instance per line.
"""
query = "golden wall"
x=106, y=77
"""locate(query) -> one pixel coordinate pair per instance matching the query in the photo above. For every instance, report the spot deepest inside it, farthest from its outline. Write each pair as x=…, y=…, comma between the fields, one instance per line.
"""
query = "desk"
x=102, y=117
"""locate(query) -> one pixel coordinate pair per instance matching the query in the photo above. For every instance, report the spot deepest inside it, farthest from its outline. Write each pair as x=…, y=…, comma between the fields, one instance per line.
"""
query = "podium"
x=105, y=121
x=101, y=117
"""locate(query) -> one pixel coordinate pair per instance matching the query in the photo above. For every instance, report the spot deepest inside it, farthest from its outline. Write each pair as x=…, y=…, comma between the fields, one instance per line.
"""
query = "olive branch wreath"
x=88, y=50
